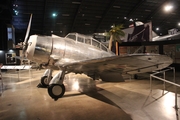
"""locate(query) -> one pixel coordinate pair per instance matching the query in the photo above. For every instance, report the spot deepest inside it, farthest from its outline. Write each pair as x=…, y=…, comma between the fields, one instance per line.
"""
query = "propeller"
x=25, y=43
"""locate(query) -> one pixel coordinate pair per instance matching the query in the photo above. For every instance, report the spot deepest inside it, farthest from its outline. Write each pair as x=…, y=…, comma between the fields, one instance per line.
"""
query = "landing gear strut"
x=56, y=87
x=45, y=80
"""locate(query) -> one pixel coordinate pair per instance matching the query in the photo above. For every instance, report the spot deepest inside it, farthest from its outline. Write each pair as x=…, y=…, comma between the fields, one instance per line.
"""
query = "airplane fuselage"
x=65, y=50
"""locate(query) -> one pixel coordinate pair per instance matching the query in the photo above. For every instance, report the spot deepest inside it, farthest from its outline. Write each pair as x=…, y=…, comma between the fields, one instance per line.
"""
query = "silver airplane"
x=172, y=36
x=82, y=54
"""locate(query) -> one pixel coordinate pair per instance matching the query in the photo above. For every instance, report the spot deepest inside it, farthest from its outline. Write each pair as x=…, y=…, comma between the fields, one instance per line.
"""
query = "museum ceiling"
x=92, y=16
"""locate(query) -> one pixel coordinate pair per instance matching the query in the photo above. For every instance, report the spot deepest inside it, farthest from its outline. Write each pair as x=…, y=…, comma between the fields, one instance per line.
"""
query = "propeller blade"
x=26, y=37
x=28, y=30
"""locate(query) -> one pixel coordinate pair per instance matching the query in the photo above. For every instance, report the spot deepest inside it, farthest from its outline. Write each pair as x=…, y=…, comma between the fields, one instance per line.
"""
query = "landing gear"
x=45, y=81
x=56, y=87
x=56, y=91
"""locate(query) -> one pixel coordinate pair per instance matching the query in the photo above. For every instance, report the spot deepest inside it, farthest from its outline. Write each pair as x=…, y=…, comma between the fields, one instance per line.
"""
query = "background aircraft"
x=82, y=54
x=173, y=34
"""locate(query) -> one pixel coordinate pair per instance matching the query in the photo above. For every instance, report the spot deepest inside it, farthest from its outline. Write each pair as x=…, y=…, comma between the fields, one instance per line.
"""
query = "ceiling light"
x=130, y=19
x=148, y=10
x=168, y=8
x=179, y=24
x=98, y=16
x=125, y=17
x=157, y=28
x=11, y=50
x=116, y=7
x=54, y=14
x=66, y=15
x=76, y=2
x=15, y=12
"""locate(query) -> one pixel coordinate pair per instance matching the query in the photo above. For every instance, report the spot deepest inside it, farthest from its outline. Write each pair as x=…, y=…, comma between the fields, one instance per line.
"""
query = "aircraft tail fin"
x=154, y=34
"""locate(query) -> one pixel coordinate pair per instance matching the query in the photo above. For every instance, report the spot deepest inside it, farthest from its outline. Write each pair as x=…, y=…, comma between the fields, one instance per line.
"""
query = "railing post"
x=176, y=106
x=164, y=84
x=164, y=80
x=151, y=82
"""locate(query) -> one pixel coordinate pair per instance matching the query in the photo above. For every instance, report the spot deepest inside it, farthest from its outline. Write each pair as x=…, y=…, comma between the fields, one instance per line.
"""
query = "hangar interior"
x=134, y=99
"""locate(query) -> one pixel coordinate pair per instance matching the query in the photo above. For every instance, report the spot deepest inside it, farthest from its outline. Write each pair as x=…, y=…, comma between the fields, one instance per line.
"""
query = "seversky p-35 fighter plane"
x=82, y=54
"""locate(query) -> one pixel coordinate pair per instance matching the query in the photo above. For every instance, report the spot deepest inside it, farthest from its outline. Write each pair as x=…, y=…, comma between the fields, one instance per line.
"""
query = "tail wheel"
x=44, y=81
x=56, y=91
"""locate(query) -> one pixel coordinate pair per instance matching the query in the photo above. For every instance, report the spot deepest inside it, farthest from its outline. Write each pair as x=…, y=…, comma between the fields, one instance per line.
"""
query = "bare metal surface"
x=87, y=99
x=77, y=55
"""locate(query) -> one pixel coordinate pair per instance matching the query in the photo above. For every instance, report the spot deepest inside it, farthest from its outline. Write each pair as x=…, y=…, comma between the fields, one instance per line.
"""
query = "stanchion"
x=1, y=80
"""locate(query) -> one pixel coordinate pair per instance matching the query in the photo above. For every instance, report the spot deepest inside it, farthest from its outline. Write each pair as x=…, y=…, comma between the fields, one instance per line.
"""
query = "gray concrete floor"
x=86, y=99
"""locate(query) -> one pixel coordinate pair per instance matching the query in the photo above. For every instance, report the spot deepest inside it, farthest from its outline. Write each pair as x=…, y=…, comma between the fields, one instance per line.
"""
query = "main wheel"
x=44, y=81
x=56, y=91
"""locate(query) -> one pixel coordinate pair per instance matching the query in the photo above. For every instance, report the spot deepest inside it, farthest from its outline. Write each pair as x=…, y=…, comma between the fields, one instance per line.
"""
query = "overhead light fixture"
x=116, y=7
x=87, y=24
x=168, y=7
x=148, y=10
x=76, y=2
x=179, y=24
x=98, y=16
x=66, y=15
x=130, y=19
x=157, y=29
x=11, y=50
x=15, y=12
x=54, y=14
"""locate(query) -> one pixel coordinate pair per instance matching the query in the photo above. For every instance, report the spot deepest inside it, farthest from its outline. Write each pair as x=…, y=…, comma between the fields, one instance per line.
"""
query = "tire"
x=56, y=91
x=44, y=81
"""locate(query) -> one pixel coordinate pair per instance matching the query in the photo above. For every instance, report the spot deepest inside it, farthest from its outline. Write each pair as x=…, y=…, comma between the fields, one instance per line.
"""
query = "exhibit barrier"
x=18, y=68
x=1, y=80
x=15, y=73
x=166, y=81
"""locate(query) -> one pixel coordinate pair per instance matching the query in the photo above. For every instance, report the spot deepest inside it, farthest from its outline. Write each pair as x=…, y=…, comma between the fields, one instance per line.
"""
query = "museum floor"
x=86, y=99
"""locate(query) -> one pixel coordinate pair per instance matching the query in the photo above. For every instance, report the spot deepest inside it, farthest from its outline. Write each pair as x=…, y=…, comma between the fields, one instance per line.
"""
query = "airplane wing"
x=131, y=64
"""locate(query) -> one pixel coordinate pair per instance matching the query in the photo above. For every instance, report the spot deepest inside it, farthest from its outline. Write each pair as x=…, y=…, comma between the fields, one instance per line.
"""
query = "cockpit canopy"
x=88, y=40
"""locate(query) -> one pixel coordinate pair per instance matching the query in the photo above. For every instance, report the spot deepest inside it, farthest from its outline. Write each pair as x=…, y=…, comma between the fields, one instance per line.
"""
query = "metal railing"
x=166, y=81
